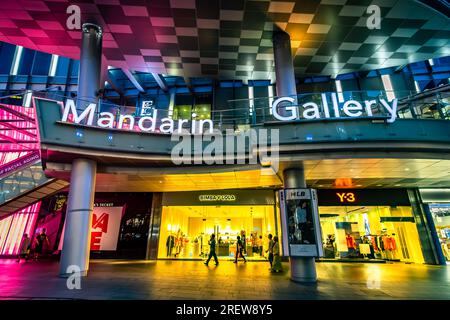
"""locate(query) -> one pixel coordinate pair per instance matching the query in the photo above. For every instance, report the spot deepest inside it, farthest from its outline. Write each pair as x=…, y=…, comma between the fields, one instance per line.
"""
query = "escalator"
x=23, y=182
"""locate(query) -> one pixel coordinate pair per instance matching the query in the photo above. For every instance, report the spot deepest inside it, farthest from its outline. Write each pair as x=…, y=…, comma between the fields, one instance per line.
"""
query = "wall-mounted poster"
x=105, y=228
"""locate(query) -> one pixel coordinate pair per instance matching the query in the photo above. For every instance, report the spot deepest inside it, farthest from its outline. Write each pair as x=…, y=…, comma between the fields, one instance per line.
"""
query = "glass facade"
x=441, y=217
x=370, y=232
x=185, y=230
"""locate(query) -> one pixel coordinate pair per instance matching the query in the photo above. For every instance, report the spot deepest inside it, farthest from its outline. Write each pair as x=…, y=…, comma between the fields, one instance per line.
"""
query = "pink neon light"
x=5, y=225
x=32, y=219
x=15, y=226
x=18, y=129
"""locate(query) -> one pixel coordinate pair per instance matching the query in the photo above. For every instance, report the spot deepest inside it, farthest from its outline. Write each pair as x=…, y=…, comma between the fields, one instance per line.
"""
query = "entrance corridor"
x=168, y=279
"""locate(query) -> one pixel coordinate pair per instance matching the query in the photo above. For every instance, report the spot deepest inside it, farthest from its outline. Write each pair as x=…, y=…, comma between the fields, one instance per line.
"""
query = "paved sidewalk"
x=126, y=279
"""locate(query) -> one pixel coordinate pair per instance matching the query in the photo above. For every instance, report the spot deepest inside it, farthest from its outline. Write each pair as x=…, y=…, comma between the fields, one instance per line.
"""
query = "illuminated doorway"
x=185, y=230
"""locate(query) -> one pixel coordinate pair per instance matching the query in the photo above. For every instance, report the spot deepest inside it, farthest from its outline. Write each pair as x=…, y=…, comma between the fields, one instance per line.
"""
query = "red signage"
x=105, y=228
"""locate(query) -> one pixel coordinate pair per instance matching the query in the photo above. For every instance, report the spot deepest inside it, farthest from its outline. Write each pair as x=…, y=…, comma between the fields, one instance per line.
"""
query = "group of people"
x=25, y=246
x=273, y=252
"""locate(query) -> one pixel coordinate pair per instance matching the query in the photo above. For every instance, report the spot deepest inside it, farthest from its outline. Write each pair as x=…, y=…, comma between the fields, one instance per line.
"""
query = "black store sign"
x=363, y=197
x=219, y=197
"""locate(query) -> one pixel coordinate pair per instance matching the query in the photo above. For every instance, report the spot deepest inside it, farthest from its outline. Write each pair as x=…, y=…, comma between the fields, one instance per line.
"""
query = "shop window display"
x=185, y=230
x=441, y=217
x=370, y=232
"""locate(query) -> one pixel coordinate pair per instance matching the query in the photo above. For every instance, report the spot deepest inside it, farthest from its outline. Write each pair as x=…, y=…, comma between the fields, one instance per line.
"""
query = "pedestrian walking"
x=41, y=239
x=276, y=256
x=239, y=250
x=24, y=251
x=212, y=250
x=270, y=250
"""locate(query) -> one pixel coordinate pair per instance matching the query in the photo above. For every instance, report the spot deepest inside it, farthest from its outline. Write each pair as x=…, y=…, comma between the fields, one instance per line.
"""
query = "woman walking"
x=276, y=256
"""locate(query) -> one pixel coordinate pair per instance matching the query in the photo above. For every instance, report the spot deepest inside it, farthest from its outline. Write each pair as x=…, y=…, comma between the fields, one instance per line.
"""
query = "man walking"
x=41, y=239
x=24, y=248
x=270, y=250
x=212, y=250
x=239, y=250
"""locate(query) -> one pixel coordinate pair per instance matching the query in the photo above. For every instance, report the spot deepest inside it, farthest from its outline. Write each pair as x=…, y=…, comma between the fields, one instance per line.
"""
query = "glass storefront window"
x=370, y=232
x=441, y=218
x=187, y=112
x=202, y=111
x=185, y=230
x=182, y=112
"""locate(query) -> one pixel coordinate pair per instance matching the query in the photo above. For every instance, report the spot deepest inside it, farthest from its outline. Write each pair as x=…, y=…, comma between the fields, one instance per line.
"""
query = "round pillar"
x=284, y=69
x=303, y=269
x=77, y=232
x=90, y=65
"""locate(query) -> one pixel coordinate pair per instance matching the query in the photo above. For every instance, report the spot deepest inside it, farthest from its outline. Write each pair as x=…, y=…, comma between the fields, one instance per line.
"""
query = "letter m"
x=71, y=109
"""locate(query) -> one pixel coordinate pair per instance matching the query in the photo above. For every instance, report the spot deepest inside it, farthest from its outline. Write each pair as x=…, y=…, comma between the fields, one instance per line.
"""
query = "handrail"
x=257, y=111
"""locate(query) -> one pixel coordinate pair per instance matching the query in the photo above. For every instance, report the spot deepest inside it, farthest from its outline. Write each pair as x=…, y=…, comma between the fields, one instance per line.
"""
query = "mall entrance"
x=370, y=232
x=369, y=225
x=188, y=219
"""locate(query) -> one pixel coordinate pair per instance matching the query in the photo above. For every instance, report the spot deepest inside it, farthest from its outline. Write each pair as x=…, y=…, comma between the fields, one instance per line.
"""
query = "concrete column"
x=284, y=69
x=90, y=65
x=303, y=269
x=77, y=235
x=77, y=232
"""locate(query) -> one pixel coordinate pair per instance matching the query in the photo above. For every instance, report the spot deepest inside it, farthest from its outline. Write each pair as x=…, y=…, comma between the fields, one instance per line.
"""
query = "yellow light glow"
x=295, y=44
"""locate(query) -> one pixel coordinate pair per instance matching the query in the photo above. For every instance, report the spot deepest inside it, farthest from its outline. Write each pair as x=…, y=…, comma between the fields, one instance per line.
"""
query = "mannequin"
x=170, y=243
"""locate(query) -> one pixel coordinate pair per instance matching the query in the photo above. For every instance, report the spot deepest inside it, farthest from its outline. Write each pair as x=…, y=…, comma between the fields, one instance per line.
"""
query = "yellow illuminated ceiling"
x=186, y=182
x=326, y=173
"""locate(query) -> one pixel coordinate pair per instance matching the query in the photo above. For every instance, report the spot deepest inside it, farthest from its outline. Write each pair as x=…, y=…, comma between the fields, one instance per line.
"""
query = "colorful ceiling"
x=231, y=39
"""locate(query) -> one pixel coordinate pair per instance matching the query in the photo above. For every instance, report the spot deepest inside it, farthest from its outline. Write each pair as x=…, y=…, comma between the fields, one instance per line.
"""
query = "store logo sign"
x=153, y=123
x=217, y=197
x=345, y=197
x=348, y=109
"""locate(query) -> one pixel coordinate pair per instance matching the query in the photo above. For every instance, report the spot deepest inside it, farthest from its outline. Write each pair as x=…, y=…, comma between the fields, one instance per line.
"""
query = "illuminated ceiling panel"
x=347, y=173
x=232, y=39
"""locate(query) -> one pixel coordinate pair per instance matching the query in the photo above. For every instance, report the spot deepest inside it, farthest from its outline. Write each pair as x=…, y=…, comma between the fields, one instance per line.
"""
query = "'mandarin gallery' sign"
x=109, y=120
x=324, y=110
x=283, y=109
